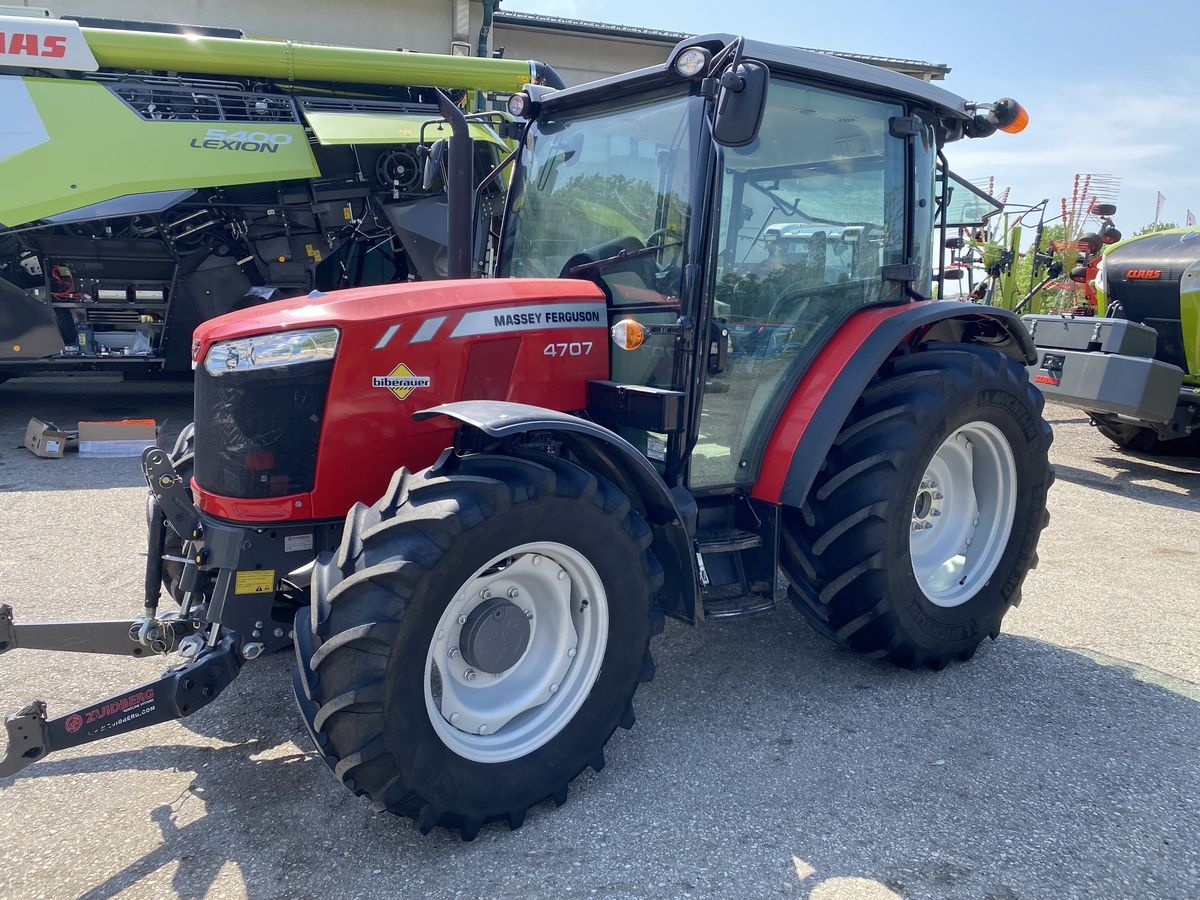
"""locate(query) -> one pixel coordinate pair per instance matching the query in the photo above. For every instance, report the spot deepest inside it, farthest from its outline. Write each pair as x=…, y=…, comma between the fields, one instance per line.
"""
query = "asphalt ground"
x=1063, y=761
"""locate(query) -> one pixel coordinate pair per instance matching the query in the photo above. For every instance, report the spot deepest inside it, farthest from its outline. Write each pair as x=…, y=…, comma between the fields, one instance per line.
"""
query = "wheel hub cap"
x=495, y=636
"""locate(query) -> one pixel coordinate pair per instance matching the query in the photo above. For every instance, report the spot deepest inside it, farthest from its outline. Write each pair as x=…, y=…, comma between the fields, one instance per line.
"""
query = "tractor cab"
x=725, y=268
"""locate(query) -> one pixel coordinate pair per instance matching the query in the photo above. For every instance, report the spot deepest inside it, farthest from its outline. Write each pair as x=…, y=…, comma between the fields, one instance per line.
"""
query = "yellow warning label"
x=258, y=581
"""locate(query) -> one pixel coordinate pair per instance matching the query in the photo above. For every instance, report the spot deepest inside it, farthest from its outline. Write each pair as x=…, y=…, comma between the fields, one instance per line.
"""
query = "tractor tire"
x=946, y=449
x=518, y=593
x=1145, y=440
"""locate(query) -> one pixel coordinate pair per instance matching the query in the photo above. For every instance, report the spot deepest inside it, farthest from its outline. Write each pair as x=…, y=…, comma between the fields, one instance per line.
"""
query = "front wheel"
x=477, y=638
x=924, y=520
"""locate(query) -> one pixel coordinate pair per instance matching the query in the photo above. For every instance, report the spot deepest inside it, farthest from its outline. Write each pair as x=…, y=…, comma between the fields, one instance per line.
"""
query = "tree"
x=1154, y=227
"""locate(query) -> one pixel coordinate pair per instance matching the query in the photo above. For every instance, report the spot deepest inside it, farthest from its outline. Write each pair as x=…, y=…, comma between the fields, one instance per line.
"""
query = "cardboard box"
x=46, y=440
x=129, y=437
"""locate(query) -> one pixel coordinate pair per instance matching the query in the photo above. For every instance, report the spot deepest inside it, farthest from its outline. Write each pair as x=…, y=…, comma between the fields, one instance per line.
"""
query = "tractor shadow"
x=762, y=757
x=1134, y=475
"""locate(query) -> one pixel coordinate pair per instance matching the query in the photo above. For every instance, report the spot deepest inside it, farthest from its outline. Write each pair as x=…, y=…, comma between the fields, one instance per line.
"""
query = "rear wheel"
x=1145, y=440
x=924, y=520
x=477, y=638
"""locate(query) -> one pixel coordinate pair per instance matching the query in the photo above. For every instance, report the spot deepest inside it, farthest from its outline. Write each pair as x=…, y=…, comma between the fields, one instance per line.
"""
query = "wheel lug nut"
x=513, y=593
x=454, y=653
x=462, y=620
x=561, y=574
x=927, y=526
x=529, y=614
x=454, y=717
x=916, y=526
x=571, y=652
x=554, y=688
x=936, y=512
x=537, y=560
x=483, y=729
x=485, y=594
x=469, y=674
x=939, y=496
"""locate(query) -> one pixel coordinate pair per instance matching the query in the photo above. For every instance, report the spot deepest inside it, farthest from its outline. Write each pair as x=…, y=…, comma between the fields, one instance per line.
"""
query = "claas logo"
x=1144, y=274
x=50, y=46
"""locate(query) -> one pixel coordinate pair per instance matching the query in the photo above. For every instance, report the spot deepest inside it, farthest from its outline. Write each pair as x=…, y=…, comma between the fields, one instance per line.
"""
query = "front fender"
x=838, y=376
x=609, y=456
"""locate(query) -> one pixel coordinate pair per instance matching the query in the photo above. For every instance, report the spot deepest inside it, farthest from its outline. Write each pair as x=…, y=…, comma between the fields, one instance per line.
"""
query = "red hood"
x=385, y=302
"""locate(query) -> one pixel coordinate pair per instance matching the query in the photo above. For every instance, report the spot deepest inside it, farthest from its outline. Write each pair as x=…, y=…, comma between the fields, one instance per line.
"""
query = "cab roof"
x=810, y=64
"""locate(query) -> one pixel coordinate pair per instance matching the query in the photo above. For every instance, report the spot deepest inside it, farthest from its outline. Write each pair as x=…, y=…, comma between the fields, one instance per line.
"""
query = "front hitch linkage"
x=179, y=692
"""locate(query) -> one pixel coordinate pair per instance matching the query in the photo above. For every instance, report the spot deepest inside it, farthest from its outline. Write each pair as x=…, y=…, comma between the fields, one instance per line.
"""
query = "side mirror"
x=741, y=102
x=433, y=164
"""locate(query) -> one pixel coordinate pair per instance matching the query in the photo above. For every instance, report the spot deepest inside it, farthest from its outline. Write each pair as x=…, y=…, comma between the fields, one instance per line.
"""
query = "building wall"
x=579, y=58
x=424, y=25
x=428, y=26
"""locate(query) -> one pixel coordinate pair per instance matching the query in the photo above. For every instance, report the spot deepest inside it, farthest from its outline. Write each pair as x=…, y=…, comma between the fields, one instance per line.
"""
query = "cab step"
x=732, y=601
x=727, y=541
x=729, y=590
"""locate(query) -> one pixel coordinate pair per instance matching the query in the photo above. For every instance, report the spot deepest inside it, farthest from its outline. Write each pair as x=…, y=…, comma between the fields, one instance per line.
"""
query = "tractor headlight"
x=520, y=106
x=267, y=351
x=692, y=62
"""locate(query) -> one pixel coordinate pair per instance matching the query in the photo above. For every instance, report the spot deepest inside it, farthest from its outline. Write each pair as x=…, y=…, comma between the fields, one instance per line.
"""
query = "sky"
x=1111, y=88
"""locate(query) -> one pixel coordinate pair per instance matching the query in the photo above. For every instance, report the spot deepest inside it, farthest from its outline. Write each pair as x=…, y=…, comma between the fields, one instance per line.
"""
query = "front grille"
x=158, y=102
x=257, y=432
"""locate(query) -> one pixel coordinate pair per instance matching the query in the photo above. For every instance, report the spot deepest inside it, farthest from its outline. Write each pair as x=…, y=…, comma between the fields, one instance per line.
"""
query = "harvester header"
x=28, y=42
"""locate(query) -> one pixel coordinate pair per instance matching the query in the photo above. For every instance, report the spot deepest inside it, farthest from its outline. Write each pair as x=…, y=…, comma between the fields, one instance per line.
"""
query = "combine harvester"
x=153, y=180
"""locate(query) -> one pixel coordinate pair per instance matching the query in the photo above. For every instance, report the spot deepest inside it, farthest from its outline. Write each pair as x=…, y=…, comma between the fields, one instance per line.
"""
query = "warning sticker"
x=258, y=581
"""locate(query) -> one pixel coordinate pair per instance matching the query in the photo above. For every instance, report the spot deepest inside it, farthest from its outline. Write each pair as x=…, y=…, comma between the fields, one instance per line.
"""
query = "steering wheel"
x=670, y=256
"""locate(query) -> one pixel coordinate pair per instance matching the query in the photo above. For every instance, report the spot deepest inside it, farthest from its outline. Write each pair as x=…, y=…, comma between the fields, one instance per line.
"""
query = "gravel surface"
x=1062, y=761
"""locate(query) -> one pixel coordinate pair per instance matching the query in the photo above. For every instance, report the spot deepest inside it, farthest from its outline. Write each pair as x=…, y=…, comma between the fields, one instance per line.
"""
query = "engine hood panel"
x=385, y=306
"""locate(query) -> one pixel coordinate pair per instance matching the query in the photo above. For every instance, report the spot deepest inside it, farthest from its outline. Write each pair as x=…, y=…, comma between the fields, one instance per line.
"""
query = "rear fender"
x=838, y=376
x=609, y=456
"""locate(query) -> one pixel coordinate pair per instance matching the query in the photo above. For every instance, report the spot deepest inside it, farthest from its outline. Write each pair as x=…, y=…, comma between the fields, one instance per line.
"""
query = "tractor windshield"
x=608, y=180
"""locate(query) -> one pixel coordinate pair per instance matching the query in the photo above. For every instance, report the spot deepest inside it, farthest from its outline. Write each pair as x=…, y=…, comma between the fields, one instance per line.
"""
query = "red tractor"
x=563, y=454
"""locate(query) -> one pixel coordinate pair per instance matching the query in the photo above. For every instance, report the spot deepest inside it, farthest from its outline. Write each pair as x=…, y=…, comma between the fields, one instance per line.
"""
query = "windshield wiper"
x=620, y=257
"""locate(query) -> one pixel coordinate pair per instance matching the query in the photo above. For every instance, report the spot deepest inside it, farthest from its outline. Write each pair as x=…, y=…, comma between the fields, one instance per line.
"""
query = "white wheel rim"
x=962, y=514
x=494, y=718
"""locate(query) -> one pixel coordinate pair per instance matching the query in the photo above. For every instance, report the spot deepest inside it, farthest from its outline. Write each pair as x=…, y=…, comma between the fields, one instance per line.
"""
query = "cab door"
x=812, y=212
